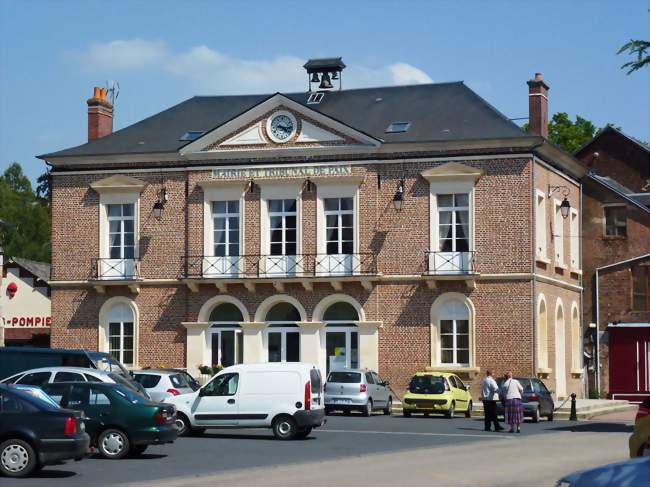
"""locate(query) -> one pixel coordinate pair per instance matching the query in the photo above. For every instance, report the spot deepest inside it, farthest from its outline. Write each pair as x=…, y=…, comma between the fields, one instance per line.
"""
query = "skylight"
x=192, y=135
x=315, y=98
x=397, y=127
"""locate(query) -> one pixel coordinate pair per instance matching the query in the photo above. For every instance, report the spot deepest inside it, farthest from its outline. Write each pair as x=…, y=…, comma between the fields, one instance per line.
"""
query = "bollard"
x=574, y=414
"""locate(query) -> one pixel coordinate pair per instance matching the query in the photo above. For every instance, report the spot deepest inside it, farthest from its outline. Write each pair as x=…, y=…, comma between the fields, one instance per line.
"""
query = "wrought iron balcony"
x=451, y=263
x=258, y=266
x=116, y=269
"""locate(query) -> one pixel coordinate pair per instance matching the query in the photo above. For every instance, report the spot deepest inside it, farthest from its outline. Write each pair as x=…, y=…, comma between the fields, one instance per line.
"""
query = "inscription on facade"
x=281, y=172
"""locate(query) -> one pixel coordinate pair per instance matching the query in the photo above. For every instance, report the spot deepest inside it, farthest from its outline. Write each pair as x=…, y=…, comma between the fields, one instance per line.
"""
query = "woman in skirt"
x=512, y=390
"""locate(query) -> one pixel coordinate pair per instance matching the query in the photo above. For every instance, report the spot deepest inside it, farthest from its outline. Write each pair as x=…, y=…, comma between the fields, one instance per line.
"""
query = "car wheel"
x=406, y=414
x=138, y=450
x=451, y=411
x=468, y=413
x=535, y=416
x=367, y=410
x=550, y=416
x=284, y=428
x=304, y=432
x=183, y=424
x=328, y=411
x=17, y=458
x=113, y=444
x=389, y=407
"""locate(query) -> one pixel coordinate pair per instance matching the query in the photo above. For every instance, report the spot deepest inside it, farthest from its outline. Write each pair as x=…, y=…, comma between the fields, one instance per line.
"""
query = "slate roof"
x=39, y=269
x=437, y=112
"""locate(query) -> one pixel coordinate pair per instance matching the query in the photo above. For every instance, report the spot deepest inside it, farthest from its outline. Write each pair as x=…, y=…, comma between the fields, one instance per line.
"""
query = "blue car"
x=632, y=473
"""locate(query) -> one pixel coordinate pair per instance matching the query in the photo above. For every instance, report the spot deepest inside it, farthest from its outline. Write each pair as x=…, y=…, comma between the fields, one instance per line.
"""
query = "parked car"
x=640, y=439
x=630, y=473
x=437, y=392
x=286, y=397
x=46, y=375
x=119, y=421
x=35, y=431
x=363, y=390
x=163, y=384
x=536, y=399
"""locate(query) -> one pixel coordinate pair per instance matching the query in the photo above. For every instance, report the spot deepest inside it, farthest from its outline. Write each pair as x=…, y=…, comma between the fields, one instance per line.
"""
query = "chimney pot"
x=100, y=114
x=538, y=106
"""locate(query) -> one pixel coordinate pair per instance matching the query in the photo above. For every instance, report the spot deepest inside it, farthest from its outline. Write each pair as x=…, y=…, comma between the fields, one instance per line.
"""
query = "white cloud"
x=209, y=71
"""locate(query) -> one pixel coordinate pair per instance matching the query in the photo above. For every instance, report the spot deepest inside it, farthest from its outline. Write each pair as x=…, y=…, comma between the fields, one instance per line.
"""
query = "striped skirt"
x=514, y=412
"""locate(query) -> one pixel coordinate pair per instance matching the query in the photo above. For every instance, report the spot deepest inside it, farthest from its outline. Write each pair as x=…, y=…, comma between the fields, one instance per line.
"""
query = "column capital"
x=195, y=325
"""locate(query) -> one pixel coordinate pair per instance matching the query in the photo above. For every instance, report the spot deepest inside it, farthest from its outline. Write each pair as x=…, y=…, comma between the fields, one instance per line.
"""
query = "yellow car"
x=640, y=439
x=437, y=392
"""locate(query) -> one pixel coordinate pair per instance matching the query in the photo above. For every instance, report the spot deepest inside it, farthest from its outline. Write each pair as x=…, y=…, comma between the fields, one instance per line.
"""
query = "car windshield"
x=39, y=394
x=108, y=364
x=427, y=384
x=344, y=377
x=525, y=383
x=130, y=395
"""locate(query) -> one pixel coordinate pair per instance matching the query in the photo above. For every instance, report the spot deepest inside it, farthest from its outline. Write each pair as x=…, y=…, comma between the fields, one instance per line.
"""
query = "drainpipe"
x=582, y=291
x=532, y=270
x=597, y=375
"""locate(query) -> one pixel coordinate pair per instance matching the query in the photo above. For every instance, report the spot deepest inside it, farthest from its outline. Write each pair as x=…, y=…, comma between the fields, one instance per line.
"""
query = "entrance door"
x=283, y=345
x=217, y=403
x=560, y=365
x=226, y=347
x=342, y=349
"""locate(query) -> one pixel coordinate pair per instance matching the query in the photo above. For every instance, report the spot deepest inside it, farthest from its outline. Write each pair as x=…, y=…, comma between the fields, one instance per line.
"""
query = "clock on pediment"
x=281, y=127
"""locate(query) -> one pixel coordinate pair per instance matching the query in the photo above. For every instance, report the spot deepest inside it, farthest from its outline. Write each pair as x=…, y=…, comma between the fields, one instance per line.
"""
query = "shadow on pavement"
x=53, y=474
x=596, y=427
x=232, y=436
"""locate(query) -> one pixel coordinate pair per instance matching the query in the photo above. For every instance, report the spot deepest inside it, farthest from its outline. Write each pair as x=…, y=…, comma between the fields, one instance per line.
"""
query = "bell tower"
x=325, y=71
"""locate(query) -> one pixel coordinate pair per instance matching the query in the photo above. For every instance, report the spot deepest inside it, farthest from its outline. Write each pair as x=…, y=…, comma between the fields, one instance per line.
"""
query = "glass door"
x=283, y=344
x=339, y=235
x=453, y=232
x=341, y=348
x=283, y=238
x=226, y=347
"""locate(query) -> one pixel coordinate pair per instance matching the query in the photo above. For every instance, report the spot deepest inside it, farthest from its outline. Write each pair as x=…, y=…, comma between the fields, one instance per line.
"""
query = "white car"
x=286, y=397
x=163, y=384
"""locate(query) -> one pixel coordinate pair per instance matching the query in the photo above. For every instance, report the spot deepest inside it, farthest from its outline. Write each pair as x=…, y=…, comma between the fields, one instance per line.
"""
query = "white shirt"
x=490, y=389
x=512, y=389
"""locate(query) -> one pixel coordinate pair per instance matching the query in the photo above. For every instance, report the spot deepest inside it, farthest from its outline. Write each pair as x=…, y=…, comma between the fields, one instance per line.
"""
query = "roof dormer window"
x=397, y=127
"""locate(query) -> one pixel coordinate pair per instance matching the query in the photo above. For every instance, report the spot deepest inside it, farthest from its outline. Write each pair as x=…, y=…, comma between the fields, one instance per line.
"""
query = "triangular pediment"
x=251, y=130
x=118, y=182
x=452, y=170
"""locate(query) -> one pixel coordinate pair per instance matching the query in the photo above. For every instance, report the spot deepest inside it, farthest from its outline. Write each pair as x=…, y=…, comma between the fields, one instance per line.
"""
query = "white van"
x=284, y=396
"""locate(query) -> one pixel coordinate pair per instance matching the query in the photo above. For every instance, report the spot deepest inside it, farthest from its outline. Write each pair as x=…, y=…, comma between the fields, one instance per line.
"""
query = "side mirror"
x=386, y=383
x=202, y=392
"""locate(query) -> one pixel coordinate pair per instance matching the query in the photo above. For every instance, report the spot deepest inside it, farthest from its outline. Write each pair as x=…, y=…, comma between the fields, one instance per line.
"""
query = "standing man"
x=490, y=396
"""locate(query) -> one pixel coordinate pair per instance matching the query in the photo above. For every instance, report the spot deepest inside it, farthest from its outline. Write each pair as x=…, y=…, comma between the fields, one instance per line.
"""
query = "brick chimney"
x=100, y=114
x=538, y=106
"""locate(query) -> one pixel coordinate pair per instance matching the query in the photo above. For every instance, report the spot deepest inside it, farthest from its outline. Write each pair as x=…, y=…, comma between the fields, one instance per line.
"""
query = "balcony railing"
x=107, y=269
x=280, y=266
x=451, y=263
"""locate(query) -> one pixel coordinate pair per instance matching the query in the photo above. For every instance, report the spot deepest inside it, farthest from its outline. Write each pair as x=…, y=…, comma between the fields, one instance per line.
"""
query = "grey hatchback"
x=357, y=389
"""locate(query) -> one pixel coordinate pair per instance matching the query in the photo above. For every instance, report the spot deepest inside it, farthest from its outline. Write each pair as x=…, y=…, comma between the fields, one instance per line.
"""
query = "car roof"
x=362, y=371
x=85, y=370
x=159, y=371
x=436, y=374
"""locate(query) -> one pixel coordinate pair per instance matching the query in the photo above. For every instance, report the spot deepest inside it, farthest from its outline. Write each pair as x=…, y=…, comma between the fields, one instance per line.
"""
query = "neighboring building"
x=25, y=307
x=394, y=228
x=616, y=246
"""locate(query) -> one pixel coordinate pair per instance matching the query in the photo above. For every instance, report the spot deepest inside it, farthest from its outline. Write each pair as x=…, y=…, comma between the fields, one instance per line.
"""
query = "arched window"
x=576, y=352
x=560, y=350
x=121, y=333
x=283, y=336
x=226, y=341
x=542, y=332
x=341, y=336
x=453, y=326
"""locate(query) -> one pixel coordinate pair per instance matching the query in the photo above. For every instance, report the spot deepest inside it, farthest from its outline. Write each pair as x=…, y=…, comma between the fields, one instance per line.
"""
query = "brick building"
x=616, y=263
x=394, y=228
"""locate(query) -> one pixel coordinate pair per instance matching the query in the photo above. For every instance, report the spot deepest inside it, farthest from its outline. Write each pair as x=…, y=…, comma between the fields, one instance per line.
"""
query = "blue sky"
x=161, y=52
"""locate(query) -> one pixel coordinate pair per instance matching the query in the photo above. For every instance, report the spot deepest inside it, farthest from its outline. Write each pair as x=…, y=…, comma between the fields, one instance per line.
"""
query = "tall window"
x=558, y=234
x=121, y=334
x=641, y=288
x=615, y=220
x=283, y=335
x=540, y=225
x=282, y=224
x=225, y=220
x=339, y=222
x=454, y=333
x=226, y=339
x=453, y=222
x=121, y=231
x=574, y=240
x=341, y=336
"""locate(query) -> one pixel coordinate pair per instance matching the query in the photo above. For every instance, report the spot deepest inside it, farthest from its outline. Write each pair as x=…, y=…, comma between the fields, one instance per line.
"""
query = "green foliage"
x=569, y=135
x=27, y=230
x=636, y=48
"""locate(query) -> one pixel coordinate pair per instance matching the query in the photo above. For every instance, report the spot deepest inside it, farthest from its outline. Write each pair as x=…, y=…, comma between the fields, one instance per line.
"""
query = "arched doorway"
x=560, y=351
x=341, y=336
x=225, y=339
x=282, y=333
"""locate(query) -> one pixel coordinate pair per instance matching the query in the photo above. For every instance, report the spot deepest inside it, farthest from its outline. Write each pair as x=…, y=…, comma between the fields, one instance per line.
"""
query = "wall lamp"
x=159, y=205
x=565, y=206
x=252, y=187
x=308, y=185
x=398, y=199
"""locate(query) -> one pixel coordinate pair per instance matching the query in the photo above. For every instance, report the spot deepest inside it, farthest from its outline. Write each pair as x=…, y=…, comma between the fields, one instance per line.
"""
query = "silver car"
x=358, y=389
x=162, y=384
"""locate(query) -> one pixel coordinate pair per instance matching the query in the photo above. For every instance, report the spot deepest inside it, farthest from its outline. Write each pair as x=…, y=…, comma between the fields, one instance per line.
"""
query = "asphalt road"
x=344, y=437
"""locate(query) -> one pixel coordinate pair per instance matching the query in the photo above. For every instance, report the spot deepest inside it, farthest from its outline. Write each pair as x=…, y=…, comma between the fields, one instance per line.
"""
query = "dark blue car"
x=536, y=399
x=632, y=473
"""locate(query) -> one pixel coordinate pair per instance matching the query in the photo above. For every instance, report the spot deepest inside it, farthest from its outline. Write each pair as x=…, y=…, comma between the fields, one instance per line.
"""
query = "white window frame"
x=279, y=191
x=282, y=330
x=453, y=210
x=610, y=205
x=558, y=235
x=339, y=213
x=227, y=216
x=105, y=319
x=449, y=187
x=541, y=225
x=283, y=214
x=222, y=326
x=438, y=314
x=574, y=240
x=122, y=219
x=127, y=266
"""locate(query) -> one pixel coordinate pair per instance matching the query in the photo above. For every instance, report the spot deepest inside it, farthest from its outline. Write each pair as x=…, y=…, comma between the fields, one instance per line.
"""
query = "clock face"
x=281, y=128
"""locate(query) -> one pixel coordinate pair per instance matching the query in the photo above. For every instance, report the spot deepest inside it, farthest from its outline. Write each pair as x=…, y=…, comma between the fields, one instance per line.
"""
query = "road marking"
x=414, y=433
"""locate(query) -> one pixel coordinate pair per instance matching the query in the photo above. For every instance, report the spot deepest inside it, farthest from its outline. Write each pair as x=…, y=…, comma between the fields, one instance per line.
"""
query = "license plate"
x=342, y=401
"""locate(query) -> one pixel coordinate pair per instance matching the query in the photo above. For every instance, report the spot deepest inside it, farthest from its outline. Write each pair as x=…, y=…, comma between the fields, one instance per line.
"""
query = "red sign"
x=28, y=321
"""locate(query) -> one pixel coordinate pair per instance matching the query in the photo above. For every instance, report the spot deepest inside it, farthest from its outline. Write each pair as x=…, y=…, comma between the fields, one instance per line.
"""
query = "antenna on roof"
x=113, y=89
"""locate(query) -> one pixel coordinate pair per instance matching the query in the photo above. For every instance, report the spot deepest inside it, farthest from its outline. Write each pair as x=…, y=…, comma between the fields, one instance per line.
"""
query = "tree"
x=569, y=135
x=27, y=230
x=43, y=188
x=636, y=48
